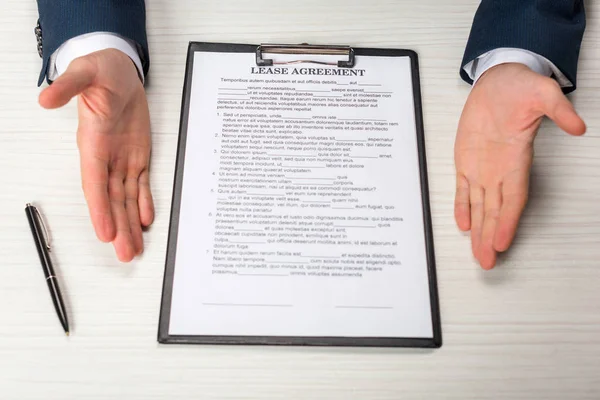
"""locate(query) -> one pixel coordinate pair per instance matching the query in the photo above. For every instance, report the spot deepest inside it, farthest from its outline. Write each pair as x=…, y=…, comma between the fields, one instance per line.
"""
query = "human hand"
x=113, y=137
x=494, y=152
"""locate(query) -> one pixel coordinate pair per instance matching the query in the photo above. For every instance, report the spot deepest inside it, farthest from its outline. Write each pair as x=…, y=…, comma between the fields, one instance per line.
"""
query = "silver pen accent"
x=41, y=219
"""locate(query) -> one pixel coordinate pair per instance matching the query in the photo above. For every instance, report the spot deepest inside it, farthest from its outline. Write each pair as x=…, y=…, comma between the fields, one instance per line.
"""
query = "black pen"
x=42, y=242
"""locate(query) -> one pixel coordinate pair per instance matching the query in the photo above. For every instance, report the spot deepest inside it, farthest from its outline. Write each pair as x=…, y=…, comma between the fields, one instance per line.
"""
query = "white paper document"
x=301, y=210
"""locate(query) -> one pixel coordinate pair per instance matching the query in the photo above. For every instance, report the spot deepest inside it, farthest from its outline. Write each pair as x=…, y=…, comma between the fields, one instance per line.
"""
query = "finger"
x=492, y=204
x=560, y=110
x=462, y=204
x=94, y=176
x=133, y=212
x=78, y=77
x=146, y=203
x=477, y=213
x=123, y=242
x=514, y=198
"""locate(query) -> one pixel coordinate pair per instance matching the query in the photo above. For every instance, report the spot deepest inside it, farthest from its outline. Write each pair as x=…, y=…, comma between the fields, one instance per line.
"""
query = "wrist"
x=502, y=68
x=90, y=43
x=121, y=60
x=129, y=61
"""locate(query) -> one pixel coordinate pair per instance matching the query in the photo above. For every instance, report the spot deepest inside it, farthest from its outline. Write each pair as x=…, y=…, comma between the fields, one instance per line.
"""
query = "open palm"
x=494, y=152
x=113, y=137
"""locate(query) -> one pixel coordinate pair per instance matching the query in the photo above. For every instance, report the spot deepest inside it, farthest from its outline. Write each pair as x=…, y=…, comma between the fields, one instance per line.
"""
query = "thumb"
x=79, y=76
x=560, y=110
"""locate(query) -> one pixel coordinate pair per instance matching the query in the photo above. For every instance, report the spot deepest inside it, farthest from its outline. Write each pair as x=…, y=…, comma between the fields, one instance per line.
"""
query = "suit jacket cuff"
x=535, y=62
x=552, y=29
x=61, y=20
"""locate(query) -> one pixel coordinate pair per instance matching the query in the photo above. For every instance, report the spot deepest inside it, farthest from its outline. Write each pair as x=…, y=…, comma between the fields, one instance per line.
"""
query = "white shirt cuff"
x=82, y=45
x=534, y=61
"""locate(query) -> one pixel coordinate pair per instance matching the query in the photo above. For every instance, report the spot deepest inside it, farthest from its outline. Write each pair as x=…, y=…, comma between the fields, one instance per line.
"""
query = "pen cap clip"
x=46, y=234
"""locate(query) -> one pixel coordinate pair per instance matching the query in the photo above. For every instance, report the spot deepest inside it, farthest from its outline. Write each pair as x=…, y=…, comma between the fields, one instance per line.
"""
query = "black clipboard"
x=163, y=330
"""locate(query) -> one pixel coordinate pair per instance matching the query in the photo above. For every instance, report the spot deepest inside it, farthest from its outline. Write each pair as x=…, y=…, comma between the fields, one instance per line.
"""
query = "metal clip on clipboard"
x=304, y=49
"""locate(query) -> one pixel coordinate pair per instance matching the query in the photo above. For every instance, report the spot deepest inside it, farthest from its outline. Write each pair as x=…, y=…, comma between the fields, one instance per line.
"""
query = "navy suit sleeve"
x=61, y=20
x=551, y=28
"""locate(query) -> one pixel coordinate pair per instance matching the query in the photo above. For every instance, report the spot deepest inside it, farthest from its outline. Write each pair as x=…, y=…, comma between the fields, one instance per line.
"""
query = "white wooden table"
x=530, y=329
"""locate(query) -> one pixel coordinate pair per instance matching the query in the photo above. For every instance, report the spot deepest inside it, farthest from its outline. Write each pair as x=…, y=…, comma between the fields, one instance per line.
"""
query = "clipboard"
x=350, y=55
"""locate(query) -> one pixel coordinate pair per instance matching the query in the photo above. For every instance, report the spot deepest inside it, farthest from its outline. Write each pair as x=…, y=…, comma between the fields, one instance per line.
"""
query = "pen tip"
x=67, y=333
